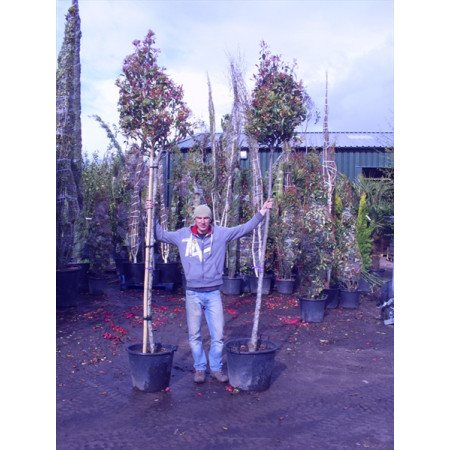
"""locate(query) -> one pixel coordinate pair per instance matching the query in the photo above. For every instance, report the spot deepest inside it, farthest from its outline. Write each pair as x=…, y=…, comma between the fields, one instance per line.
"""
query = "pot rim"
x=325, y=296
x=245, y=341
x=170, y=349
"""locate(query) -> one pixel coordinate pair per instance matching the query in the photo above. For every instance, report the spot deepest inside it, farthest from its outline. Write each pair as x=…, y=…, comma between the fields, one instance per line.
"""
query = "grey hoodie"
x=203, y=258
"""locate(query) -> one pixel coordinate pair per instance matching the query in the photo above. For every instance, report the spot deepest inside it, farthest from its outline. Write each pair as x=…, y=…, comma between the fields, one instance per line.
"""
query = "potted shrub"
x=317, y=247
x=329, y=170
x=116, y=173
x=284, y=232
x=227, y=182
x=102, y=215
x=153, y=114
x=100, y=246
x=133, y=270
x=364, y=229
x=284, y=238
x=348, y=270
x=101, y=182
x=379, y=205
x=167, y=265
x=68, y=158
x=276, y=108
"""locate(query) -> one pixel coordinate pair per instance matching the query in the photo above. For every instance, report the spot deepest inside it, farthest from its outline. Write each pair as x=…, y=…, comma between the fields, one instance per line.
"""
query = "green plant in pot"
x=317, y=247
x=284, y=239
x=232, y=282
x=349, y=262
x=153, y=115
x=102, y=181
x=117, y=171
x=227, y=189
x=364, y=231
x=133, y=268
x=276, y=109
x=286, y=247
x=379, y=203
x=100, y=246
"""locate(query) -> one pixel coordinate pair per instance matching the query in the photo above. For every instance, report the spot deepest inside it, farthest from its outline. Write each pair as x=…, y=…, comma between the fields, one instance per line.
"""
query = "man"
x=202, y=250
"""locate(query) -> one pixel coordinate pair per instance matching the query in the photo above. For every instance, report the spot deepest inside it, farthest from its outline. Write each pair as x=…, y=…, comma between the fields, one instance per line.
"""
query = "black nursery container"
x=332, y=301
x=150, y=372
x=350, y=299
x=67, y=287
x=312, y=310
x=250, y=371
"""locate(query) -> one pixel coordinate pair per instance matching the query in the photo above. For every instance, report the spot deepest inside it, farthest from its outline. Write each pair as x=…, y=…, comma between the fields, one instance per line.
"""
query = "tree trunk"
x=260, y=268
x=212, y=133
x=257, y=188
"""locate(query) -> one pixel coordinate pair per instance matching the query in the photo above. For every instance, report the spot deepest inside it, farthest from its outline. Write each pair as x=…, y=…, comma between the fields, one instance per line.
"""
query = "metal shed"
x=356, y=152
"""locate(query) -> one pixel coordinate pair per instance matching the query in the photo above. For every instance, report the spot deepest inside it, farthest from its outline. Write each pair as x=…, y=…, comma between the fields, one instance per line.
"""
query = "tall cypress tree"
x=364, y=229
x=68, y=137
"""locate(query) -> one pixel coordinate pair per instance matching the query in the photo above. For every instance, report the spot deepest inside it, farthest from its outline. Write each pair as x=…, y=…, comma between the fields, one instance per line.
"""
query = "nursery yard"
x=332, y=384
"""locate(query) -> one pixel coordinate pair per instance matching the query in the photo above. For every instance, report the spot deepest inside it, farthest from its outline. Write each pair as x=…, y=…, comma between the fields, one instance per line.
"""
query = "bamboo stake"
x=149, y=261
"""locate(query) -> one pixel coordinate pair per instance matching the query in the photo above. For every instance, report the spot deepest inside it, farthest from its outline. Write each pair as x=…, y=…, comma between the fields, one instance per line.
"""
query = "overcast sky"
x=352, y=40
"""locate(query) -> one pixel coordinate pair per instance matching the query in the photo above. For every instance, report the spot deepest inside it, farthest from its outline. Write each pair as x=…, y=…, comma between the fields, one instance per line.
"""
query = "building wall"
x=350, y=162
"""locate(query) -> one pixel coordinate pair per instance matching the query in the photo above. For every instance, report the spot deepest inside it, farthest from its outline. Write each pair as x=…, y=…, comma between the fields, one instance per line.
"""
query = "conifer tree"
x=68, y=137
x=364, y=229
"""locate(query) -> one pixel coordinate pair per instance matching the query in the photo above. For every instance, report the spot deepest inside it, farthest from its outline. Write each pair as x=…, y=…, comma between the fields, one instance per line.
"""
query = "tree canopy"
x=151, y=106
x=277, y=103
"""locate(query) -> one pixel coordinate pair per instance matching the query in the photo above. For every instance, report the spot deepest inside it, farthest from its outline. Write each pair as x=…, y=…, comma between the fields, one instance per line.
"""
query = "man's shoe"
x=199, y=376
x=219, y=375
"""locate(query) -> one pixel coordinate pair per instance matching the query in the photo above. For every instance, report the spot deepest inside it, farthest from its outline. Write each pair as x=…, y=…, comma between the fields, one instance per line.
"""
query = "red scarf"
x=195, y=231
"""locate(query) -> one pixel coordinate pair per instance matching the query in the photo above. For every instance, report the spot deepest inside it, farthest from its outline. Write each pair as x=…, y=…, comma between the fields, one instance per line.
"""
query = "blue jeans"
x=211, y=303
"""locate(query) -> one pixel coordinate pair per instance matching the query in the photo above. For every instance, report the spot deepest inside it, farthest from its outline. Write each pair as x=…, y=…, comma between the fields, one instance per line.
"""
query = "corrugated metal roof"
x=341, y=139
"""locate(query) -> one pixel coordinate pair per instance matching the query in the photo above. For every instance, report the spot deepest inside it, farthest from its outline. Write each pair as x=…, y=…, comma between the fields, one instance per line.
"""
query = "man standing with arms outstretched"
x=202, y=248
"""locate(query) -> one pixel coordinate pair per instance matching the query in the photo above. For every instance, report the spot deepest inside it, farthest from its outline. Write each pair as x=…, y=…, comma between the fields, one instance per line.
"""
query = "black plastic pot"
x=83, y=285
x=119, y=265
x=349, y=299
x=332, y=297
x=97, y=286
x=169, y=273
x=250, y=371
x=231, y=286
x=285, y=286
x=312, y=310
x=245, y=284
x=133, y=273
x=150, y=372
x=364, y=285
x=67, y=287
x=266, y=286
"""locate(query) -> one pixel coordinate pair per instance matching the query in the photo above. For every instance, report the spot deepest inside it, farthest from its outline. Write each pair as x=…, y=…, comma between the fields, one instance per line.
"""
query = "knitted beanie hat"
x=203, y=211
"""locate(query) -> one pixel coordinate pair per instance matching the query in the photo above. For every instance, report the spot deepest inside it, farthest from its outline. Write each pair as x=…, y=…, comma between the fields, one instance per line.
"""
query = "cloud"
x=351, y=40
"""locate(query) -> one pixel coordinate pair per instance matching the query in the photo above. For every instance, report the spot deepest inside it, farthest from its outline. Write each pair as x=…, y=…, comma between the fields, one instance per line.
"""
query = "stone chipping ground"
x=332, y=385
